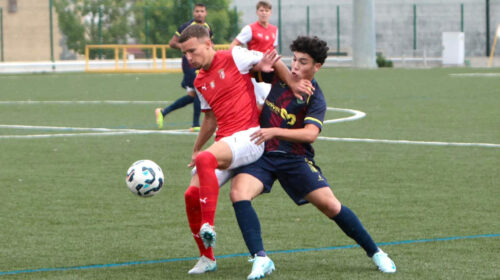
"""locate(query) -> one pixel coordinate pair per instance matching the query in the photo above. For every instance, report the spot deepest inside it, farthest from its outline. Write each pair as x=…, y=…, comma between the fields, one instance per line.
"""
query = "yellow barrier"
x=123, y=49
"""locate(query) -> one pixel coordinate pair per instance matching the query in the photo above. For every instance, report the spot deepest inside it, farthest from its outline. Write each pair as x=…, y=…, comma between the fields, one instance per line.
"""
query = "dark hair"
x=313, y=46
x=265, y=4
x=200, y=5
x=194, y=31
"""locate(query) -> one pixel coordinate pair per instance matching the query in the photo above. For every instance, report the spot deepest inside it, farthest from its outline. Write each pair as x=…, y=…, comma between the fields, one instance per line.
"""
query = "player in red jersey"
x=260, y=36
x=228, y=100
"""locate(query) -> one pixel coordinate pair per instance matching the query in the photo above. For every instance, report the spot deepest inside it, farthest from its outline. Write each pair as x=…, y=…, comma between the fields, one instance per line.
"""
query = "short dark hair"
x=200, y=5
x=194, y=31
x=313, y=46
x=265, y=4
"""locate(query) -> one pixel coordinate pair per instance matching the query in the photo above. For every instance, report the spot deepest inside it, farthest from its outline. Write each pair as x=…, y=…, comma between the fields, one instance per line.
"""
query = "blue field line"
x=94, y=266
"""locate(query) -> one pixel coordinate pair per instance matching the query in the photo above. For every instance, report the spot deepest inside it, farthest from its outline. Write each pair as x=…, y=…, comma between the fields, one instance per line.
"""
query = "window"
x=12, y=6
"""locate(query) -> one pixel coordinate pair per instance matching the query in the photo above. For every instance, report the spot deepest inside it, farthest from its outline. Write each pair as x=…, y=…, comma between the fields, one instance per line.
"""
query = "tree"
x=93, y=22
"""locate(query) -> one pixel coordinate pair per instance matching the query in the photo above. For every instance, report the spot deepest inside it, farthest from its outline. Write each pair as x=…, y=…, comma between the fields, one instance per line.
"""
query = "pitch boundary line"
x=116, y=131
x=96, y=266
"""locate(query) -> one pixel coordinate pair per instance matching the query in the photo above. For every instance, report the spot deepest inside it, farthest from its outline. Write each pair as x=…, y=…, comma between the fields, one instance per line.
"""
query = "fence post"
x=1, y=31
x=414, y=27
x=99, y=30
x=487, y=27
x=236, y=29
x=307, y=19
x=338, y=30
x=462, y=17
x=51, y=37
x=146, y=29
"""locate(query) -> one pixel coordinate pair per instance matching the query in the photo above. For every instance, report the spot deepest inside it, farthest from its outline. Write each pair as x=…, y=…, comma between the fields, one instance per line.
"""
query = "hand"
x=263, y=135
x=193, y=157
x=302, y=89
x=267, y=61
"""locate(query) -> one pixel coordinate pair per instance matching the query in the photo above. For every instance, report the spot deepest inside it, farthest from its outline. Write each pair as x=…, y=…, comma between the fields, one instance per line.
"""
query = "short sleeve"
x=317, y=109
x=203, y=103
x=245, y=59
x=245, y=35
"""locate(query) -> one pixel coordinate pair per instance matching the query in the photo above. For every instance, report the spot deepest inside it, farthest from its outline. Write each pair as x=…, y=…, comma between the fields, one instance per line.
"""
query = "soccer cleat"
x=159, y=117
x=203, y=265
x=261, y=266
x=194, y=129
x=207, y=235
x=383, y=262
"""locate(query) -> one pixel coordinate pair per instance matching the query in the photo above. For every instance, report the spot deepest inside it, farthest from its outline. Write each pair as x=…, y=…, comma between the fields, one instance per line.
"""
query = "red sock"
x=206, y=163
x=193, y=211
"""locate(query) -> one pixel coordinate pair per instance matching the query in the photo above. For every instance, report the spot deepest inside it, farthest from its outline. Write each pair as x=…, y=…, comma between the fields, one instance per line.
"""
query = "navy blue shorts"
x=189, y=74
x=297, y=175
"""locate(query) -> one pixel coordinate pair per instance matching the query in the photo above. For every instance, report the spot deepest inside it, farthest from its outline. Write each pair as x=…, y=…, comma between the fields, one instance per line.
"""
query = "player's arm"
x=308, y=134
x=234, y=43
x=174, y=42
x=301, y=89
x=208, y=127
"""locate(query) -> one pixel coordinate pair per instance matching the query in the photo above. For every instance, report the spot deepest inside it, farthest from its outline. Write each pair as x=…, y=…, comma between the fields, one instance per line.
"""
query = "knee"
x=205, y=159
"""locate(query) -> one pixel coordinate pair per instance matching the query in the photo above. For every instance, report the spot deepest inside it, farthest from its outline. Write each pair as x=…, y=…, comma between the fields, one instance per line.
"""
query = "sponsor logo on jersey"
x=282, y=112
x=212, y=84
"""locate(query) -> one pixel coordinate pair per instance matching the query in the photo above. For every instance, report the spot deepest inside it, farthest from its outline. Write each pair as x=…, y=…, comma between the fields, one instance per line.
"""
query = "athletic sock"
x=250, y=227
x=196, y=111
x=193, y=211
x=179, y=103
x=352, y=227
x=206, y=163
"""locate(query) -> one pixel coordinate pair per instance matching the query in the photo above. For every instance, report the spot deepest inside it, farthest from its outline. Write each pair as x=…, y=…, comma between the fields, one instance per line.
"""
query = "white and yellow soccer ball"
x=144, y=178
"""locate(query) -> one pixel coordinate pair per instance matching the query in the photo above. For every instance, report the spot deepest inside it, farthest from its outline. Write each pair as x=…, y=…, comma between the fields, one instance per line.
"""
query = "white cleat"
x=383, y=262
x=203, y=265
x=261, y=266
x=207, y=235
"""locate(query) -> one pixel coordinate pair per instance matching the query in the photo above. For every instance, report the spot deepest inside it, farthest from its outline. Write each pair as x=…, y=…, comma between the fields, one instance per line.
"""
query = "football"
x=144, y=178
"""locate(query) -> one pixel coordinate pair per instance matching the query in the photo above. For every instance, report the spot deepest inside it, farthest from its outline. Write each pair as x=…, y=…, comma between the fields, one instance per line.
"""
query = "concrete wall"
x=393, y=23
x=27, y=31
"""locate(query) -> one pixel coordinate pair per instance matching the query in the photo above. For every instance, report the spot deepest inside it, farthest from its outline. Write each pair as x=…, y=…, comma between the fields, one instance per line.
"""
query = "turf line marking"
x=72, y=102
x=95, y=266
x=409, y=142
x=475, y=75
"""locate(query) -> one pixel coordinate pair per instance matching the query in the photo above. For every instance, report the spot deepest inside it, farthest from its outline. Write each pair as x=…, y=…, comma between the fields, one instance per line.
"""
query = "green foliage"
x=144, y=21
x=382, y=61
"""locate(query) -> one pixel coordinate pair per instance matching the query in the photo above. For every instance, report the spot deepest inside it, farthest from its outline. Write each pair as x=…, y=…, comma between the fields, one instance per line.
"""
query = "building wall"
x=27, y=31
x=393, y=23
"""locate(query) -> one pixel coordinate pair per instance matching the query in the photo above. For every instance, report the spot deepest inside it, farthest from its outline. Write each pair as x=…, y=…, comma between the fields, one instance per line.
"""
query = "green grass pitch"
x=67, y=214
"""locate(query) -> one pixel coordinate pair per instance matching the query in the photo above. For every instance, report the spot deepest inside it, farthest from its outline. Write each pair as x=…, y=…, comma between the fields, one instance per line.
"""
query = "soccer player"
x=199, y=15
x=228, y=100
x=288, y=127
x=260, y=36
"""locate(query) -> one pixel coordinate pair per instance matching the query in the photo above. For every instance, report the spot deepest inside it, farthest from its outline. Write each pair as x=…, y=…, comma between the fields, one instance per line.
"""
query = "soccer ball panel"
x=144, y=178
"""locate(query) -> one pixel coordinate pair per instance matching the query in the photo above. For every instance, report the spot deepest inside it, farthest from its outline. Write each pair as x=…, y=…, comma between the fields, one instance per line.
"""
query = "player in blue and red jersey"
x=288, y=127
x=228, y=100
x=199, y=15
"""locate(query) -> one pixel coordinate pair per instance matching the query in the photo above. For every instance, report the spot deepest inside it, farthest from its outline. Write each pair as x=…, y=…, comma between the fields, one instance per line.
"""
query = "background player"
x=260, y=36
x=199, y=15
x=289, y=157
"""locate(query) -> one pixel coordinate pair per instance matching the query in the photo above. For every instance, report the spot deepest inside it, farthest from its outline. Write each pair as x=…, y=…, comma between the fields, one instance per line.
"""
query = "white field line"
x=81, y=102
x=488, y=75
x=409, y=142
x=356, y=115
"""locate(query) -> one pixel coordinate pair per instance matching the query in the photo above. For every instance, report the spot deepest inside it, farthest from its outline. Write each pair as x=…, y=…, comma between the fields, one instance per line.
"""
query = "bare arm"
x=308, y=134
x=234, y=43
x=174, y=42
x=208, y=126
